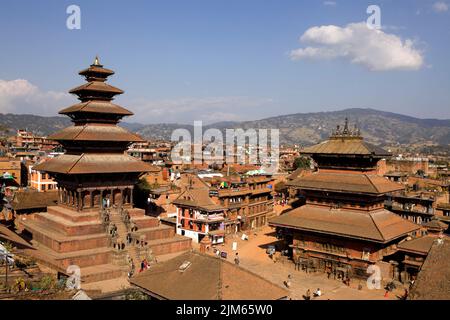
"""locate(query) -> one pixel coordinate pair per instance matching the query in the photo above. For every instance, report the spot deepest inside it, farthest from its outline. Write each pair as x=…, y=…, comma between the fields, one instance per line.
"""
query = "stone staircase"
x=101, y=244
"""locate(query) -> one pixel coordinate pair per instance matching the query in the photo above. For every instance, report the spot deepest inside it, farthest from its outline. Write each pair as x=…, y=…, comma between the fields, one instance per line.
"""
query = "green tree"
x=141, y=193
x=302, y=162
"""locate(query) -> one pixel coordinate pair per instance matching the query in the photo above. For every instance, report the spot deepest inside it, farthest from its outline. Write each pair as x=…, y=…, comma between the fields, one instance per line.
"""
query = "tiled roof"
x=34, y=200
x=96, y=69
x=94, y=163
x=418, y=245
x=97, y=86
x=345, y=146
x=346, y=182
x=95, y=132
x=433, y=281
x=97, y=107
x=299, y=172
x=435, y=224
x=207, y=278
x=379, y=226
x=198, y=197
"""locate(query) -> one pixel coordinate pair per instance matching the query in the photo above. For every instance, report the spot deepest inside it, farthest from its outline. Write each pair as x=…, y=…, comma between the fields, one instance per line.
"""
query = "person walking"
x=236, y=259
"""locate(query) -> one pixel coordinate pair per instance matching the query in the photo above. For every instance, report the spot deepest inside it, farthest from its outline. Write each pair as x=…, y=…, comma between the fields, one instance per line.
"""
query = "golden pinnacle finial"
x=96, y=61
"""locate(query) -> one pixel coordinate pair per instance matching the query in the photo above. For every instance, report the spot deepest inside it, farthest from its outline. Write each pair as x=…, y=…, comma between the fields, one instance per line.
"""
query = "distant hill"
x=378, y=127
x=42, y=126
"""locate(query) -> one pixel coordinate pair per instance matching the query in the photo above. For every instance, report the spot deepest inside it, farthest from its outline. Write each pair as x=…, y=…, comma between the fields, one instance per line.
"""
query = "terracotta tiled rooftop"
x=346, y=142
x=95, y=132
x=198, y=197
x=346, y=182
x=94, y=163
x=96, y=86
x=341, y=146
x=97, y=107
x=419, y=245
x=207, y=278
x=379, y=226
x=433, y=281
x=34, y=200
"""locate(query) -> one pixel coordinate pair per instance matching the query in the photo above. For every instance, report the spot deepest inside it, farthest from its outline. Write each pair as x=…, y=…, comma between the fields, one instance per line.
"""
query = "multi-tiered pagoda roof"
x=345, y=196
x=95, y=143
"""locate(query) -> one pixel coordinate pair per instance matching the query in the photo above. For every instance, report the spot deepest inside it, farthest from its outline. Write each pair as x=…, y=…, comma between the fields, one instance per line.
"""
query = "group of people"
x=316, y=294
x=282, y=202
x=144, y=265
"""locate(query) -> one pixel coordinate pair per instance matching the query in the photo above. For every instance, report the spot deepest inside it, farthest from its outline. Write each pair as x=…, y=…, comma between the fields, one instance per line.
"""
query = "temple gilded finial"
x=96, y=61
x=346, y=126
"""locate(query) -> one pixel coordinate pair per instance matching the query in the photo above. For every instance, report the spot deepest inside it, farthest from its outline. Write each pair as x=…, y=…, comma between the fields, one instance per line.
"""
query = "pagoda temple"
x=343, y=226
x=95, y=225
x=95, y=166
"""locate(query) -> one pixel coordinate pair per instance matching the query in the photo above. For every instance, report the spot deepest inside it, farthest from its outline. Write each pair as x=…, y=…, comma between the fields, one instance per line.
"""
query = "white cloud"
x=374, y=49
x=207, y=109
x=330, y=3
x=20, y=96
x=440, y=6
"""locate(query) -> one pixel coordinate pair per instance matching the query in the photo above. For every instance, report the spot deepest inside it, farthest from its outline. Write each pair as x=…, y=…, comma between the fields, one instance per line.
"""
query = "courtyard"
x=253, y=256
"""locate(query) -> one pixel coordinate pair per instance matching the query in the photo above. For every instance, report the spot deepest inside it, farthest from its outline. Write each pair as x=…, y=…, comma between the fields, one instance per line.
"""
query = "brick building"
x=12, y=172
x=41, y=181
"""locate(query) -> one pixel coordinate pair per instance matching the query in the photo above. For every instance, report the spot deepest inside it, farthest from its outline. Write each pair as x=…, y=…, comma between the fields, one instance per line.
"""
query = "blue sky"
x=212, y=60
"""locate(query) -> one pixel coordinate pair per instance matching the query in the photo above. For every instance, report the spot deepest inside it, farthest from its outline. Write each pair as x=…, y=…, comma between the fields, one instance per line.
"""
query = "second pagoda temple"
x=343, y=226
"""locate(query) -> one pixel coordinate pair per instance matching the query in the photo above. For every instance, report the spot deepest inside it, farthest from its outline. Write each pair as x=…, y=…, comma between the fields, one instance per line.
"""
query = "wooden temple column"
x=91, y=199
x=78, y=193
x=131, y=196
x=121, y=198
x=61, y=195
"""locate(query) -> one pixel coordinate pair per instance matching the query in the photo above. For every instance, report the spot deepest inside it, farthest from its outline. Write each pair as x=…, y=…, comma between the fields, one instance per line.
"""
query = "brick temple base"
x=63, y=237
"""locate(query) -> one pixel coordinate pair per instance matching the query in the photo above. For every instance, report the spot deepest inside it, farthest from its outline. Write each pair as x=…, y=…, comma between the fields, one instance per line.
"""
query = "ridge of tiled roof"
x=379, y=225
x=97, y=86
x=95, y=132
x=94, y=163
x=346, y=182
x=96, y=106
